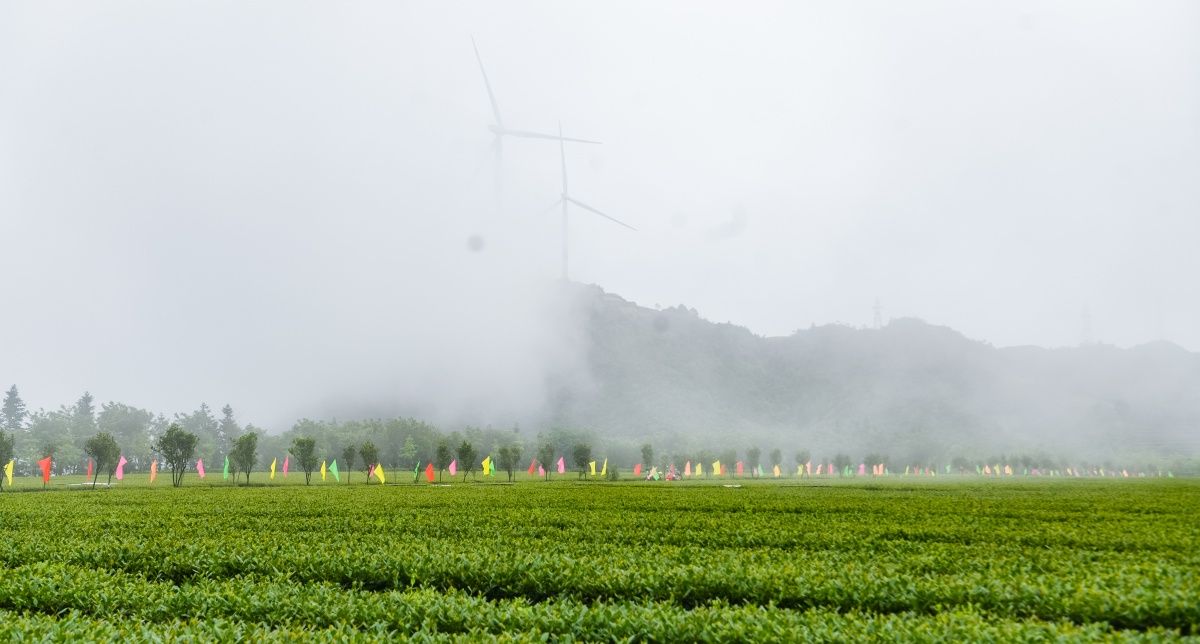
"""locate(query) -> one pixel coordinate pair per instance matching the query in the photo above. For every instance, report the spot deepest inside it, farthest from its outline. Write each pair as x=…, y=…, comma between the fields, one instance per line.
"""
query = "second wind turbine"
x=565, y=199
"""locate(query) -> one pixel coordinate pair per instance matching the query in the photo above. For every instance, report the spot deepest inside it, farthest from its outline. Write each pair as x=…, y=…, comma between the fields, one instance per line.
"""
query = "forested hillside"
x=910, y=388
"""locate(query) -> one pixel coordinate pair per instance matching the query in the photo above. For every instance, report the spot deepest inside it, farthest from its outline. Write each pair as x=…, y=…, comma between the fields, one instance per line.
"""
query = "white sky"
x=268, y=204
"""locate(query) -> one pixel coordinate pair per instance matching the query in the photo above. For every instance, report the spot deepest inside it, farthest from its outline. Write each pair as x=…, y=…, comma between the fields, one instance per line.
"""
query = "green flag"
x=947, y=469
x=416, y=471
x=977, y=470
x=333, y=469
x=226, y=473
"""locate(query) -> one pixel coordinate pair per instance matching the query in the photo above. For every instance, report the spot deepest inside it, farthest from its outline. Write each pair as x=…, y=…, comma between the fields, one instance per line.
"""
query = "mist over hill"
x=910, y=389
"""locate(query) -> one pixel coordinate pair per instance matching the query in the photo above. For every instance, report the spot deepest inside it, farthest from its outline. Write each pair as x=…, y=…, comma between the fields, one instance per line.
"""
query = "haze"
x=269, y=205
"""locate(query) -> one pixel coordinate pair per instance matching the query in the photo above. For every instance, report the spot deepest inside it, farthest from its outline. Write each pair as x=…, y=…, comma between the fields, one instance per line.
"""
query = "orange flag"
x=532, y=465
x=637, y=469
x=429, y=473
x=45, y=463
x=687, y=470
x=153, y=469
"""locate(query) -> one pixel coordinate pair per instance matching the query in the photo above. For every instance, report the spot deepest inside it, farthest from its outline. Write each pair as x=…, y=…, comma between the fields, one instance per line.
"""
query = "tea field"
x=980, y=560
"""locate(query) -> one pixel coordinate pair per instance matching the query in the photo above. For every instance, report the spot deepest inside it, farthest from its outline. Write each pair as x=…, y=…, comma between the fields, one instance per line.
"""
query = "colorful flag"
x=716, y=468
x=153, y=469
x=8, y=469
x=687, y=469
x=323, y=470
x=541, y=471
x=370, y=471
x=604, y=470
x=334, y=470
x=561, y=465
x=532, y=464
x=285, y=465
x=454, y=467
x=739, y=468
x=722, y=470
x=378, y=474
x=120, y=474
x=429, y=473
x=225, y=473
x=699, y=469
x=592, y=465
x=637, y=469
x=416, y=470
x=799, y=470
x=947, y=469
x=808, y=468
x=273, y=467
x=200, y=467
x=45, y=463
x=89, y=474
x=818, y=469
x=777, y=470
x=487, y=466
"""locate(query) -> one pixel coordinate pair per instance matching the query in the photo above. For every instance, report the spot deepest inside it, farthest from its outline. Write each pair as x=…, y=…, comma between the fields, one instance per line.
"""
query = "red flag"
x=739, y=465
x=637, y=469
x=722, y=469
x=45, y=463
x=429, y=473
x=532, y=464
x=89, y=468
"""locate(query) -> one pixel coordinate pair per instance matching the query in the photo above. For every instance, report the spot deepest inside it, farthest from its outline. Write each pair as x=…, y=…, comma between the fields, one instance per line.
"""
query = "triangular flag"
x=416, y=470
x=541, y=471
x=777, y=470
x=699, y=469
x=487, y=466
x=687, y=469
x=89, y=474
x=200, y=467
x=637, y=469
x=716, y=468
x=45, y=463
x=322, y=470
x=592, y=465
x=561, y=466
x=273, y=467
x=429, y=473
x=799, y=470
x=604, y=470
x=808, y=468
x=739, y=468
x=225, y=473
x=722, y=470
x=818, y=469
x=532, y=464
x=454, y=467
x=153, y=469
x=285, y=465
x=120, y=474
x=378, y=474
x=333, y=470
x=8, y=470
x=370, y=471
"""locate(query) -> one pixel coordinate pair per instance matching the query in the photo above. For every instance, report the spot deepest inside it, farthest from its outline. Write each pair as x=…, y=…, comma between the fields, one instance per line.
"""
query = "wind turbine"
x=500, y=131
x=566, y=199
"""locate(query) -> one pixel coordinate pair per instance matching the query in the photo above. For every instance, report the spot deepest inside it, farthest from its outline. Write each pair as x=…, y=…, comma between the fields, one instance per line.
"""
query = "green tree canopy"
x=244, y=455
x=305, y=451
x=176, y=447
x=103, y=449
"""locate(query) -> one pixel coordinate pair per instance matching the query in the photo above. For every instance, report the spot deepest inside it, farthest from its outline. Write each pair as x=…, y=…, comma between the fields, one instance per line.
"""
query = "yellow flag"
x=717, y=468
x=487, y=466
x=322, y=470
x=776, y=471
x=604, y=470
x=593, y=466
x=8, y=472
x=799, y=470
x=699, y=469
x=379, y=473
x=273, y=467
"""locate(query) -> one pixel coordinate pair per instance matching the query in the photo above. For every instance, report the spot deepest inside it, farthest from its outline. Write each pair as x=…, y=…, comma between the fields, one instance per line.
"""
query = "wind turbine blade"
x=538, y=135
x=491, y=96
x=493, y=148
x=551, y=207
x=591, y=209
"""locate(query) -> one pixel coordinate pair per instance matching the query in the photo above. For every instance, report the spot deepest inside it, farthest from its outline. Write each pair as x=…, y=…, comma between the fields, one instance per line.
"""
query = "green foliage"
x=103, y=449
x=777, y=456
x=349, y=453
x=581, y=456
x=370, y=456
x=647, y=455
x=305, y=451
x=466, y=458
x=7, y=447
x=176, y=447
x=244, y=455
x=508, y=458
x=545, y=458
x=753, y=457
x=12, y=413
x=442, y=458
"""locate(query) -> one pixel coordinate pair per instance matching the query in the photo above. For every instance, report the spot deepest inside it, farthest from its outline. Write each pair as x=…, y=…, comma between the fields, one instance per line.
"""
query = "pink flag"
x=862, y=468
x=687, y=469
x=561, y=466
x=285, y=464
x=121, y=468
x=541, y=471
x=200, y=467
x=372, y=471
x=454, y=467
x=829, y=469
x=808, y=468
x=819, y=468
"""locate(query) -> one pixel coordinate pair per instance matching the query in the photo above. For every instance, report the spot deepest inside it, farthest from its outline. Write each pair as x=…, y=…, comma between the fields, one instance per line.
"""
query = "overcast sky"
x=270, y=204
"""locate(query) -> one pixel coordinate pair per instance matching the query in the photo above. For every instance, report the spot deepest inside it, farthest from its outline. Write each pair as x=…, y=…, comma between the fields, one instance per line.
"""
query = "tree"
x=7, y=445
x=753, y=456
x=348, y=454
x=12, y=414
x=466, y=454
x=959, y=463
x=647, y=455
x=728, y=458
x=130, y=426
x=410, y=450
x=370, y=456
x=227, y=430
x=305, y=451
x=83, y=418
x=804, y=456
x=176, y=447
x=581, y=455
x=509, y=457
x=105, y=452
x=545, y=455
x=441, y=458
x=840, y=463
x=244, y=455
x=776, y=457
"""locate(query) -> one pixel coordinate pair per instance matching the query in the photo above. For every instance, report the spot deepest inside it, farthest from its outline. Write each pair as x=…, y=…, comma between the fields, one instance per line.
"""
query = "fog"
x=290, y=207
